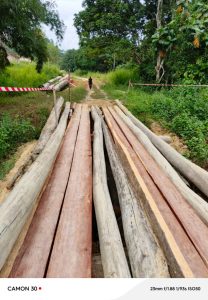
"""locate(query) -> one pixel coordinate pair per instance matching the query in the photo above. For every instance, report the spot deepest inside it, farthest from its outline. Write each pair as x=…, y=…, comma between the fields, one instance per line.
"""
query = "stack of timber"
x=146, y=221
x=177, y=219
x=61, y=84
x=62, y=222
x=16, y=208
x=51, y=82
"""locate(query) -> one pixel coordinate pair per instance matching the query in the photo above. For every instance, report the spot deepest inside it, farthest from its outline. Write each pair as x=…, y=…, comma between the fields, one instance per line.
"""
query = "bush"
x=122, y=76
x=13, y=132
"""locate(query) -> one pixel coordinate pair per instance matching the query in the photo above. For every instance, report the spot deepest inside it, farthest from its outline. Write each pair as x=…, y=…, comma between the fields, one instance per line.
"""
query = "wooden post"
x=55, y=107
x=69, y=85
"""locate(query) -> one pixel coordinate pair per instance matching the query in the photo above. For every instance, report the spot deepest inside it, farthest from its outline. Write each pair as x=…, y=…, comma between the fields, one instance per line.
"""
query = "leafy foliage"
x=13, y=132
x=20, y=27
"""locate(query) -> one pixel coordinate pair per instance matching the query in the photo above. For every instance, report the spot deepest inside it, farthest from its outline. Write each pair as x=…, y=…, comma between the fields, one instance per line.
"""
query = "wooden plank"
x=16, y=208
x=193, y=225
x=182, y=256
x=189, y=170
x=145, y=255
x=112, y=252
x=199, y=204
x=33, y=256
x=71, y=253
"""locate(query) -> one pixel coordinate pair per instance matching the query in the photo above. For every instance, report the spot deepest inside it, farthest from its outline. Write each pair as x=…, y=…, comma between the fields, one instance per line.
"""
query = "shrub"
x=13, y=132
x=122, y=76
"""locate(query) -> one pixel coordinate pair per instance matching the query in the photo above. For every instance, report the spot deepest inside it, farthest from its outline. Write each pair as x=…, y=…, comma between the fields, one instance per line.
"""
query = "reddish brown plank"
x=34, y=253
x=193, y=225
x=182, y=256
x=71, y=254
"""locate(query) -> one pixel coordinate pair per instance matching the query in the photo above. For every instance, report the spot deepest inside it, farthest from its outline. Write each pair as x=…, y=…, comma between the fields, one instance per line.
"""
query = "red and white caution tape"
x=24, y=89
x=168, y=85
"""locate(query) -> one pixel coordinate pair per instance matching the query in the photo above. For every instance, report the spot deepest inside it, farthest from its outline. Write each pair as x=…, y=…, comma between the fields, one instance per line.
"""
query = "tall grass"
x=122, y=76
x=25, y=75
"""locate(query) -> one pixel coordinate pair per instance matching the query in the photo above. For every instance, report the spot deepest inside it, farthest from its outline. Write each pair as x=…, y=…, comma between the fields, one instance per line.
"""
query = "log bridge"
x=105, y=197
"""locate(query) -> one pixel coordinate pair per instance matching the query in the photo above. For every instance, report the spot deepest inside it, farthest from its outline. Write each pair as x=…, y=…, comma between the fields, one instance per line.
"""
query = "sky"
x=67, y=9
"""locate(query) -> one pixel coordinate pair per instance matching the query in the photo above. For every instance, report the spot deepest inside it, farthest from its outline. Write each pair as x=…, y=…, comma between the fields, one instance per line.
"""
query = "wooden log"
x=52, y=81
x=48, y=129
x=199, y=205
x=145, y=255
x=194, y=226
x=34, y=254
x=112, y=252
x=195, y=174
x=61, y=85
x=17, y=206
x=166, y=138
x=71, y=254
x=183, y=258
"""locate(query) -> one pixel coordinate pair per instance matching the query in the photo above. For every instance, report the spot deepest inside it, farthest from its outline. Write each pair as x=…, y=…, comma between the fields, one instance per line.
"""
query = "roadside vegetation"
x=183, y=111
x=24, y=74
x=22, y=116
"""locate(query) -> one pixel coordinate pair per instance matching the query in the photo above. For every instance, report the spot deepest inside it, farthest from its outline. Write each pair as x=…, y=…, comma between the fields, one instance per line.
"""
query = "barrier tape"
x=168, y=85
x=24, y=89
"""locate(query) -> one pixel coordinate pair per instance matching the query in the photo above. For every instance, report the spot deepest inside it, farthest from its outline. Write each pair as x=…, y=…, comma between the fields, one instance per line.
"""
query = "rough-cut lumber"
x=183, y=258
x=33, y=256
x=194, y=226
x=48, y=129
x=145, y=255
x=71, y=254
x=189, y=170
x=200, y=206
x=16, y=208
x=112, y=252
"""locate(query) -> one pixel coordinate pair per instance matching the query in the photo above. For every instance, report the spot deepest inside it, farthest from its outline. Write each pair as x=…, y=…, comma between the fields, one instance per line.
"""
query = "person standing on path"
x=90, y=82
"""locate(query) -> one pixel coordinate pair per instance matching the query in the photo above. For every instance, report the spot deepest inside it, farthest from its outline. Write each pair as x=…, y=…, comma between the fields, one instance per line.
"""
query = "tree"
x=70, y=60
x=20, y=26
x=55, y=55
x=184, y=39
x=104, y=34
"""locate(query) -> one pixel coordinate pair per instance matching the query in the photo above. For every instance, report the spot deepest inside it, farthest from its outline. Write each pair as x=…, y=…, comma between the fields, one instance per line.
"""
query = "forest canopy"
x=167, y=40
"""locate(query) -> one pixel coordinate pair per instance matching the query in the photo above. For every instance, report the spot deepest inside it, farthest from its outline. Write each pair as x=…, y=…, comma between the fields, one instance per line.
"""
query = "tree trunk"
x=160, y=60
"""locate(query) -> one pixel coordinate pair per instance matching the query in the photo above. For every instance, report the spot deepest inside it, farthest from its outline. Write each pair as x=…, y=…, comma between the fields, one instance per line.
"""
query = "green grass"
x=6, y=166
x=181, y=110
x=78, y=94
x=25, y=75
x=22, y=117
